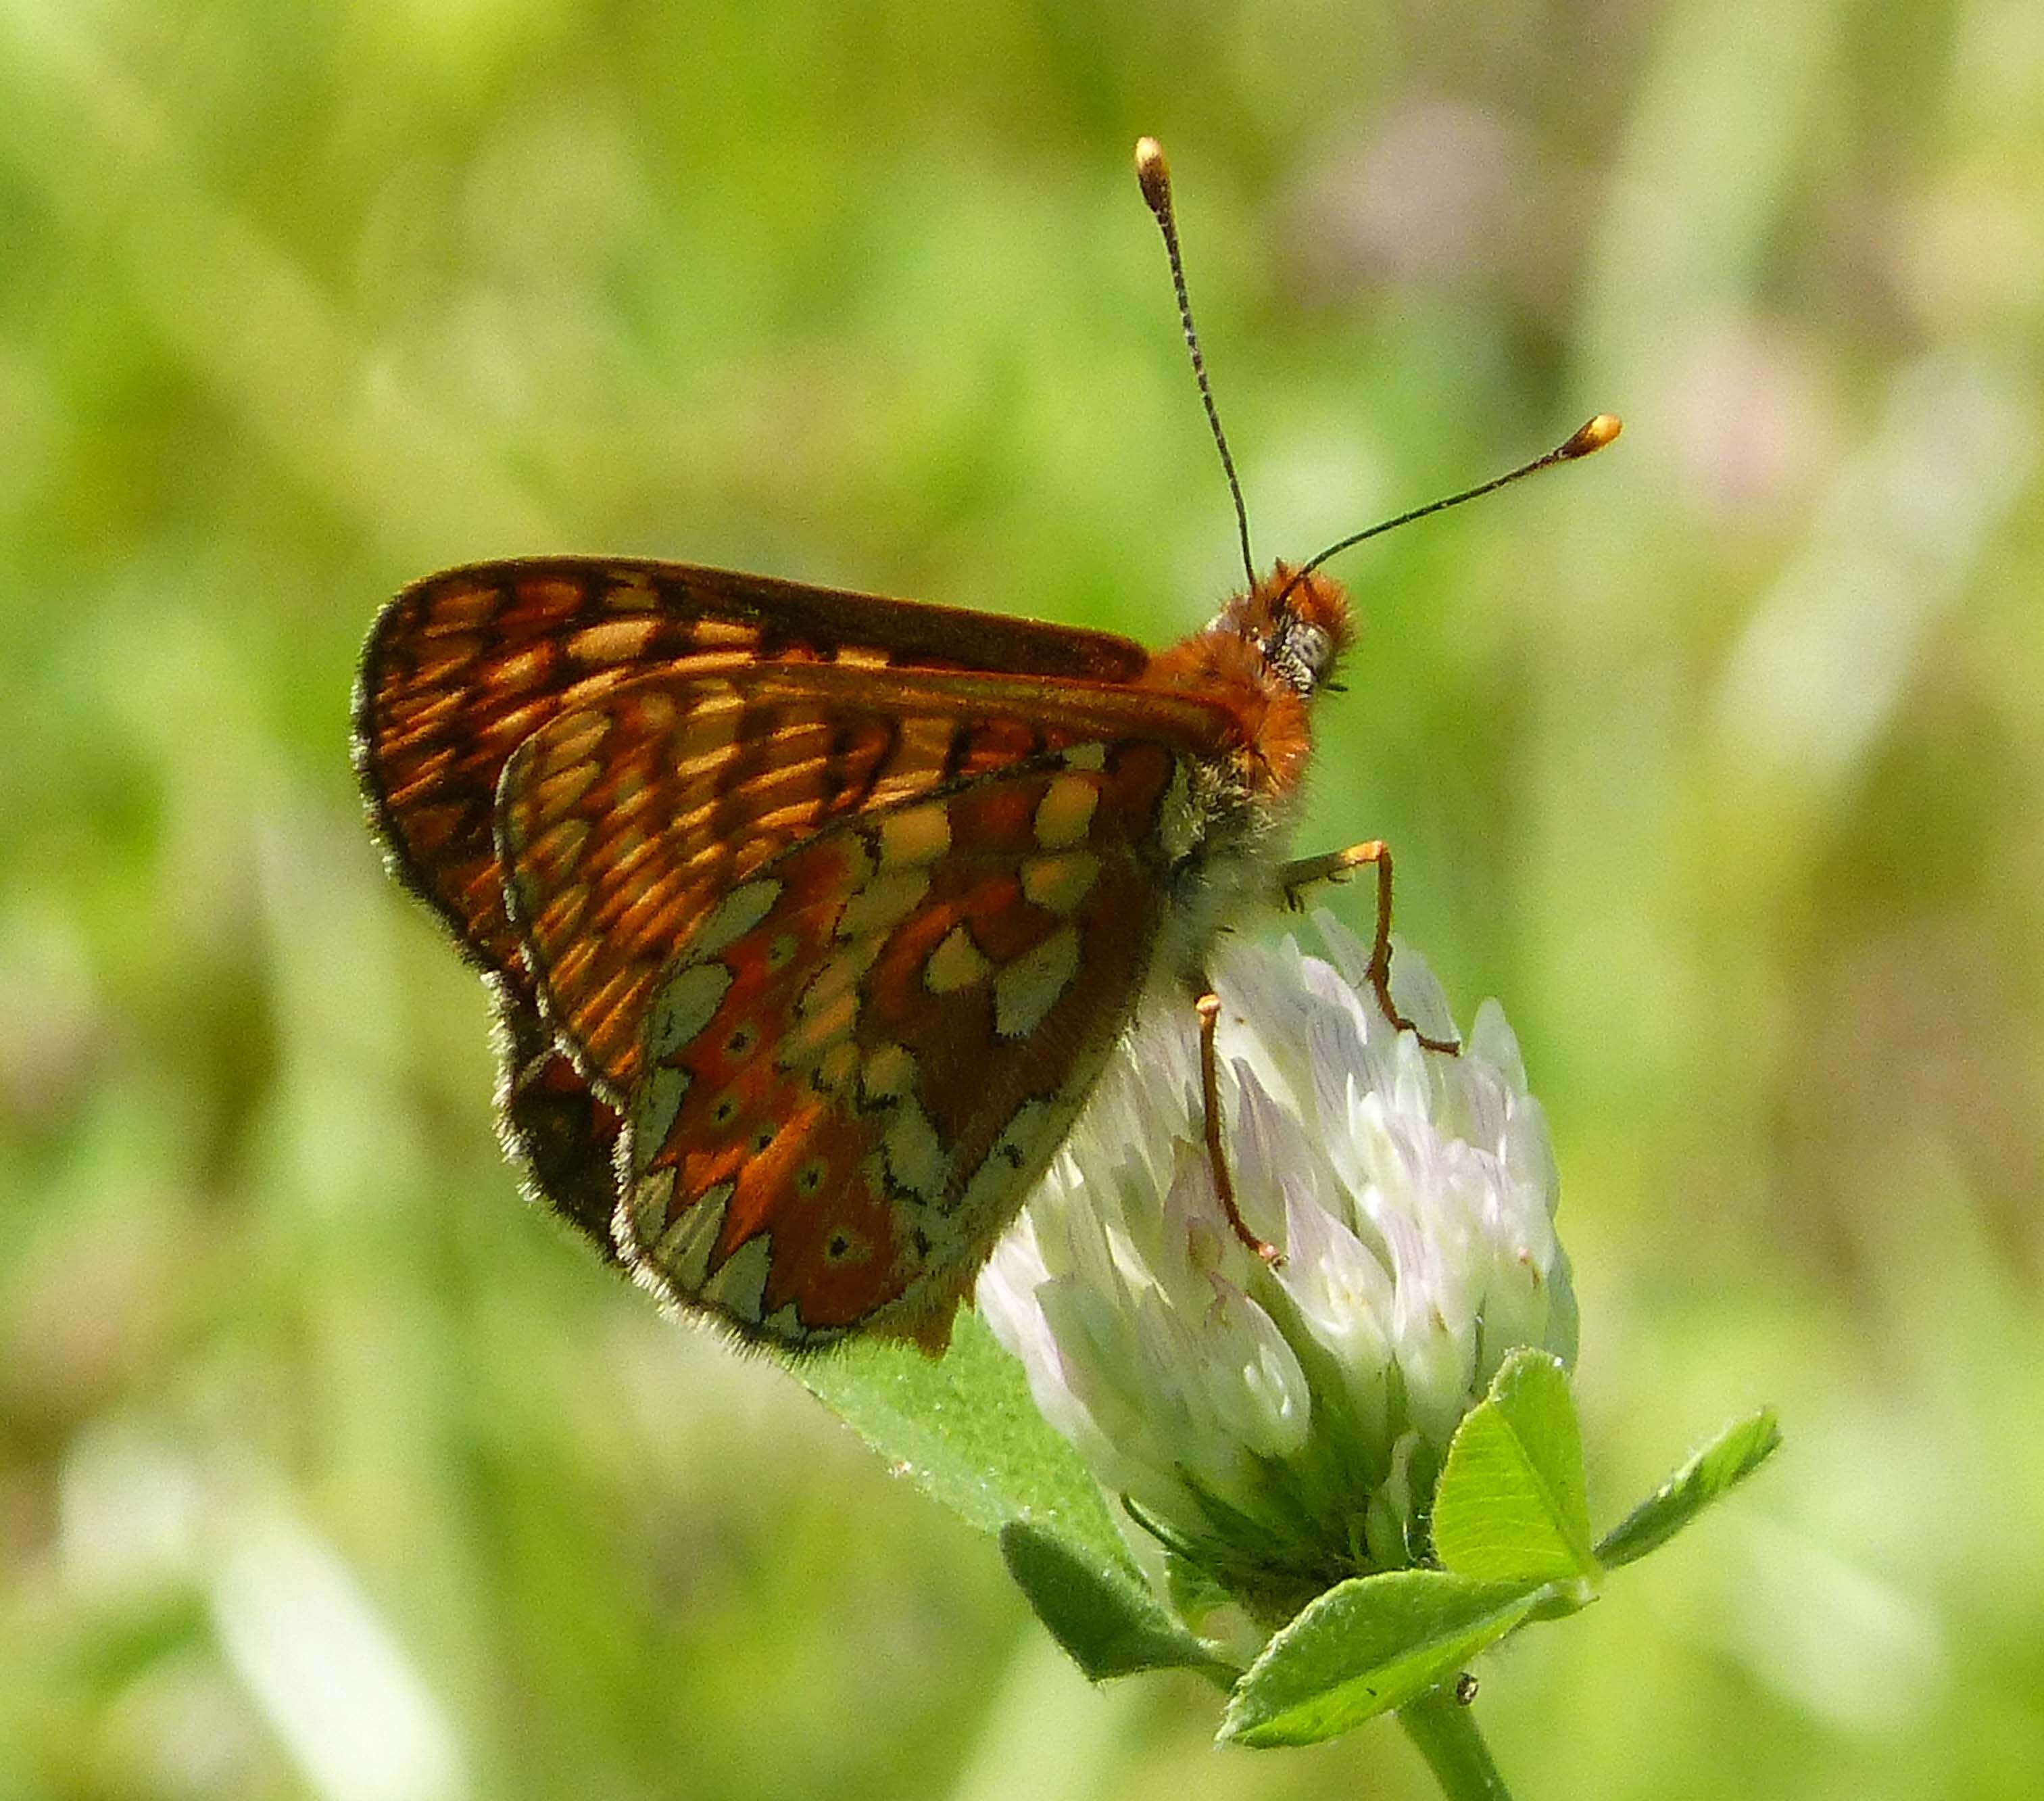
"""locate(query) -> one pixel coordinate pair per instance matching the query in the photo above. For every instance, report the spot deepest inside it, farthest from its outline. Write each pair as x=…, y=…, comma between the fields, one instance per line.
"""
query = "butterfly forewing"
x=850, y=1077
x=811, y=916
x=463, y=667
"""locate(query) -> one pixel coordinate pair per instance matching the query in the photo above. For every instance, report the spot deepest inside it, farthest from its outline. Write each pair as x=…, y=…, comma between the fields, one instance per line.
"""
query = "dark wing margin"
x=560, y=1138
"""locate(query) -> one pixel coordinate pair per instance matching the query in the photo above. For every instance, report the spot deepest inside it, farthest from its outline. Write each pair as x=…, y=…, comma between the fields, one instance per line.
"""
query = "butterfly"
x=812, y=918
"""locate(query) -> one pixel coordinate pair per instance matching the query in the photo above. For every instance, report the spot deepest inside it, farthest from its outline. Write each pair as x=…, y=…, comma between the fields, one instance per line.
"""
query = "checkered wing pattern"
x=812, y=918
x=848, y=950
x=464, y=666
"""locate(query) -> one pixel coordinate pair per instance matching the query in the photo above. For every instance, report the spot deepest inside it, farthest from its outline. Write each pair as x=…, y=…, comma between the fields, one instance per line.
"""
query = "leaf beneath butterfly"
x=965, y=1431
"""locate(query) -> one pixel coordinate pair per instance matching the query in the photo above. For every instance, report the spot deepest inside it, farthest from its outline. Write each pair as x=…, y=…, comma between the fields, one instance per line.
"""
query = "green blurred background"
x=329, y=1469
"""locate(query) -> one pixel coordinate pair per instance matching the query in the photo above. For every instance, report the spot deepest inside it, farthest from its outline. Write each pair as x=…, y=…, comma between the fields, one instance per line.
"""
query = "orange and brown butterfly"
x=813, y=917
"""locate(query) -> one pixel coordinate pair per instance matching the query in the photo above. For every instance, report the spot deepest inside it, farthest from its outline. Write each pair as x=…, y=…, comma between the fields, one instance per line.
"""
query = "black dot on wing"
x=810, y=1177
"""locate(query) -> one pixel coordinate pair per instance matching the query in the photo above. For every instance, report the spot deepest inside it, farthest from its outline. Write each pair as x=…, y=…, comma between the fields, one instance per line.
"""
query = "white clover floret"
x=1251, y=1411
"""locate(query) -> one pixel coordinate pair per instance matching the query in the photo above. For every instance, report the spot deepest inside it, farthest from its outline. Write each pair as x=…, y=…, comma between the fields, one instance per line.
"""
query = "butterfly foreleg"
x=1208, y=1006
x=1297, y=879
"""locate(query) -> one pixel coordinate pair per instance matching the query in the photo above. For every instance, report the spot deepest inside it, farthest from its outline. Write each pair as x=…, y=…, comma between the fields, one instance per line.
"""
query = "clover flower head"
x=1281, y=1427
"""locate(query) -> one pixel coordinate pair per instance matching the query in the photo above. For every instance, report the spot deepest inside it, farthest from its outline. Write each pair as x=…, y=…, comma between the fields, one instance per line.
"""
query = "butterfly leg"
x=1208, y=1006
x=1295, y=879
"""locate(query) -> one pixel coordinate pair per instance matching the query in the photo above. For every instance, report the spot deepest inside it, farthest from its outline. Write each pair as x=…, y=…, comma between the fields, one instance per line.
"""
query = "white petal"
x=1257, y=1390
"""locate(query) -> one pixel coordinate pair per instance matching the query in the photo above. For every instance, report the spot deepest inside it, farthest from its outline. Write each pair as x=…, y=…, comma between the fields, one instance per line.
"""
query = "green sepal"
x=1511, y=1505
x=1108, y=1620
x=1733, y=1454
x=1368, y=1646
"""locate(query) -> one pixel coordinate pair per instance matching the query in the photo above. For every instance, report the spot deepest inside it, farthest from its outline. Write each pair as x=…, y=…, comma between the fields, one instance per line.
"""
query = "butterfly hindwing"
x=844, y=1092
x=821, y=910
x=560, y=1135
x=627, y=828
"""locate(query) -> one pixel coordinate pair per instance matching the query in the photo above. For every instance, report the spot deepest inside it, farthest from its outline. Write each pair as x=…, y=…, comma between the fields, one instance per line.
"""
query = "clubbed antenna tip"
x=1153, y=175
x=1593, y=435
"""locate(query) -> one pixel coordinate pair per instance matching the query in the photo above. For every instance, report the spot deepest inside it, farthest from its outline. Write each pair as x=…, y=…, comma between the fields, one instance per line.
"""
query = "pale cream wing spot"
x=657, y=712
x=683, y=1251
x=687, y=1002
x=957, y=963
x=1024, y=1147
x=916, y=1157
x=462, y=611
x=836, y=1066
x=734, y=916
x=725, y=634
x=883, y=903
x=614, y=640
x=915, y=835
x=642, y=1213
x=700, y=767
x=890, y=1074
x=839, y=977
x=1058, y=884
x=1027, y=988
x=653, y=1109
x=1092, y=756
x=739, y=1285
x=519, y=671
x=1066, y=811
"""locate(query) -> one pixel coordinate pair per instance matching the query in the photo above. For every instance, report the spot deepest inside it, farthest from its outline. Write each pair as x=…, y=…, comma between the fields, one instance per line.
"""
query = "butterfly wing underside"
x=810, y=916
x=848, y=952
x=461, y=667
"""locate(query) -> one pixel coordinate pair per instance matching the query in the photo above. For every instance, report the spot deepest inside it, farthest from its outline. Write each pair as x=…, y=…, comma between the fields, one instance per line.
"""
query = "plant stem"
x=1445, y=1730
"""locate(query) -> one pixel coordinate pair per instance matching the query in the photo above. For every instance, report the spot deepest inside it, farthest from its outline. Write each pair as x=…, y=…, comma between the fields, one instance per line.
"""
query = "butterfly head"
x=1300, y=624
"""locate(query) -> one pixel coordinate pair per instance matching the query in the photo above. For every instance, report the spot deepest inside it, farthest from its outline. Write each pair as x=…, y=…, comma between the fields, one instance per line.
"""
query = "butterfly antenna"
x=1153, y=173
x=1592, y=436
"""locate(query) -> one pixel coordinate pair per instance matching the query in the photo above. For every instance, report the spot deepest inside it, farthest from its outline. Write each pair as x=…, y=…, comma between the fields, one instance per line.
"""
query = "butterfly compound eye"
x=1314, y=647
